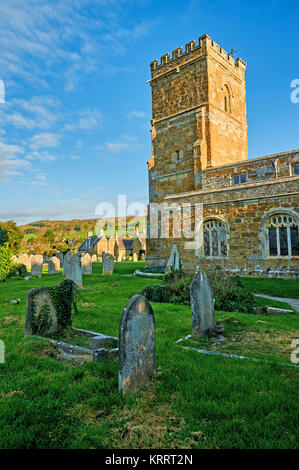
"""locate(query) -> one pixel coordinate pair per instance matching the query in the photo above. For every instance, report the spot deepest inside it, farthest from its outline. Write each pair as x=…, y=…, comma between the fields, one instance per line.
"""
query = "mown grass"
x=288, y=288
x=194, y=401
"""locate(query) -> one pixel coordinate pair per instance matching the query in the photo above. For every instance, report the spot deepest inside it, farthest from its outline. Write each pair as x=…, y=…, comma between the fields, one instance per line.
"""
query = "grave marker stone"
x=173, y=263
x=41, y=317
x=73, y=269
x=54, y=265
x=108, y=265
x=136, y=344
x=86, y=263
x=202, y=303
x=37, y=265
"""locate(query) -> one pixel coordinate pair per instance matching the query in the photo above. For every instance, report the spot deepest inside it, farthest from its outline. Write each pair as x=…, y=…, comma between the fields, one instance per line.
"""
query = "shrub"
x=230, y=295
x=5, y=261
x=18, y=270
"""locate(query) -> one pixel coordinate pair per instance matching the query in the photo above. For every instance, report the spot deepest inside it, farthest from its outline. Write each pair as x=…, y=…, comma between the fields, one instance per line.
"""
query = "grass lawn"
x=288, y=288
x=195, y=401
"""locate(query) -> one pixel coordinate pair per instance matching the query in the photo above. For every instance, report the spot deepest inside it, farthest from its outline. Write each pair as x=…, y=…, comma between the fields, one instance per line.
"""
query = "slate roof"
x=125, y=244
x=89, y=243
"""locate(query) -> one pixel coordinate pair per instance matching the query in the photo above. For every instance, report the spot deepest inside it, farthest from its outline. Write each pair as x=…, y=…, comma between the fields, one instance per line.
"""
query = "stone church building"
x=199, y=156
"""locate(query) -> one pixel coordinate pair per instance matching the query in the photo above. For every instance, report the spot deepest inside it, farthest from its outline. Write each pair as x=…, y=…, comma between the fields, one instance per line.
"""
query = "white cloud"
x=10, y=163
x=127, y=143
x=44, y=139
x=74, y=157
x=88, y=120
x=137, y=114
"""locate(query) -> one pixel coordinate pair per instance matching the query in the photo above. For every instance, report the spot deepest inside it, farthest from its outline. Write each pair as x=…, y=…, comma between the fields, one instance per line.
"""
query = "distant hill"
x=78, y=228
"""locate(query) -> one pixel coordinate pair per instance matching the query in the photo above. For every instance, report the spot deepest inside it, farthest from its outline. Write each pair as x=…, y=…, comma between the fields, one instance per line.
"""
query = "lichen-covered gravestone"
x=86, y=264
x=173, y=263
x=73, y=269
x=108, y=265
x=37, y=262
x=54, y=265
x=202, y=303
x=136, y=345
x=41, y=317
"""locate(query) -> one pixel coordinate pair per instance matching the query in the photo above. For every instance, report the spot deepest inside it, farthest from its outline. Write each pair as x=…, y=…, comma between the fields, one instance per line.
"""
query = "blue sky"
x=74, y=128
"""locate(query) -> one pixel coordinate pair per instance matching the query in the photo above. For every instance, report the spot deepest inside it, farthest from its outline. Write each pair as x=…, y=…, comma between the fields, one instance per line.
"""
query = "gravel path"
x=294, y=303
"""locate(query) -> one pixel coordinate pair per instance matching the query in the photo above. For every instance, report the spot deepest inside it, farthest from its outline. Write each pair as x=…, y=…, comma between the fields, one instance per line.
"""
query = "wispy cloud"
x=127, y=142
x=44, y=139
x=137, y=114
x=11, y=164
x=87, y=120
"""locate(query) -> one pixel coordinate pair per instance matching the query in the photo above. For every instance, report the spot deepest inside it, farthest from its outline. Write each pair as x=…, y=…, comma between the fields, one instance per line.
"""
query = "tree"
x=3, y=236
x=14, y=234
x=49, y=235
x=5, y=261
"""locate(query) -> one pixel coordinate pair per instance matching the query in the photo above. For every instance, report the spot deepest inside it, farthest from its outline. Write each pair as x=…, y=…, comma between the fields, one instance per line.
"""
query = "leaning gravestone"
x=41, y=317
x=202, y=303
x=86, y=264
x=136, y=344
x=108, y=265
x=54, y=265
x=73, y=270
x=37, y=265
x=173, y=263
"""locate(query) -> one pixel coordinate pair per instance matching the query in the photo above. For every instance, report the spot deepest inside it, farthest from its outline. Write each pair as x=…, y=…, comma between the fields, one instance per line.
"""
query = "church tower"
x=199, y=116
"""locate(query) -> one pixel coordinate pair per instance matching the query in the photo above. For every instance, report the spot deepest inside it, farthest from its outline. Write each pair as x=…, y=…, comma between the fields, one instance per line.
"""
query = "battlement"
x=192, y=51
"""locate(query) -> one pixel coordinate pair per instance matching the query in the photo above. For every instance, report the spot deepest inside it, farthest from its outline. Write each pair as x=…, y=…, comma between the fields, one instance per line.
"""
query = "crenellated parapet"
x=192, y=51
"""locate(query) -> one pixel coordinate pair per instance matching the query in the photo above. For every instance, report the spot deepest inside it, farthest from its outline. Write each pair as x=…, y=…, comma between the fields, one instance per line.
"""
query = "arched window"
x=282, y=235
x=227, y=99
x=215, y=238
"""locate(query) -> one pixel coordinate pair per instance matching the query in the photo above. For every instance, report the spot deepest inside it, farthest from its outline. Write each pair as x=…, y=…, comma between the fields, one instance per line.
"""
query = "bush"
x=230, y=295
x=5, y=262
x=18, y=270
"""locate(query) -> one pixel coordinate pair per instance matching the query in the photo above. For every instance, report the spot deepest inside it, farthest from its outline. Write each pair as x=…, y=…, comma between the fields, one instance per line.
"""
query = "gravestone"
x=60, y=256
x=66, y=262
x=103, y=256
x=135, y=257
x=26, y=260
x=94, y=258
x=202, y=303
x=15, y=259
x=54, y=265
x=73, y=269
x=173, y=263
x=86, y=263
x=108, y=265
x=37, y=265
x=136, y=345
x=41, y=317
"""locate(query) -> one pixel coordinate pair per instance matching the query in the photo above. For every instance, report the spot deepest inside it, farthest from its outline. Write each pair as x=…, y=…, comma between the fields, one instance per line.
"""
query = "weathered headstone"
x=202, y=303
x=26, y=260
x=73, y=269
x=136, y=344
x=103, y=256
x=135, y=257
x=54, y=265
x=108, y=265
x=41, y=317
x=60, y=256
x=94, y=258
x=37, y=265
x=86, y=264
x=15, y=259
x=173, y=263
x=66, y=261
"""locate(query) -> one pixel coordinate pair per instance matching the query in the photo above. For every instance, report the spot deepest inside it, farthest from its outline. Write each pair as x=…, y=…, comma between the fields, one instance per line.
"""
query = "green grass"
x=195, y=401
x=288, y=288
x=27, y=236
